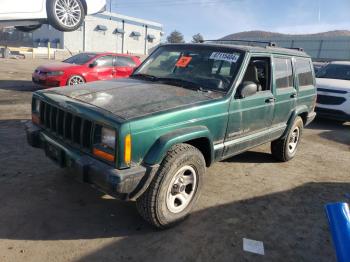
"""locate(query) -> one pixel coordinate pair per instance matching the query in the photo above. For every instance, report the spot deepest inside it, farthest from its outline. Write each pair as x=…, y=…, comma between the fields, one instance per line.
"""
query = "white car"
x=64, y=15
x=333, y=91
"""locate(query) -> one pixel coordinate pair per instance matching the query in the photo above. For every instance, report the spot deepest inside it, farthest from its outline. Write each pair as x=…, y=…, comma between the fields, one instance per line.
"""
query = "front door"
x=104, y=69
x=251, y=117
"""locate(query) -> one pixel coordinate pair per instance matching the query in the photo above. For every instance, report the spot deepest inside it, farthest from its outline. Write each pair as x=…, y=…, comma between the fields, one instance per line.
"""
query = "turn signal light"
x=104, y=155
x=35, y=119
x=127, y=149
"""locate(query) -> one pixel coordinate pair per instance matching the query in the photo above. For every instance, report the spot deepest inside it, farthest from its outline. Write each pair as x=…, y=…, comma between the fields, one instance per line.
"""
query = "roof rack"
x=268, y=43
x=296, y=48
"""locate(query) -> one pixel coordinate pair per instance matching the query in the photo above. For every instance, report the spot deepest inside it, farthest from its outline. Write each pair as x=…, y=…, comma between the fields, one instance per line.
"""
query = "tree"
x=175, y=37
x=197, y=38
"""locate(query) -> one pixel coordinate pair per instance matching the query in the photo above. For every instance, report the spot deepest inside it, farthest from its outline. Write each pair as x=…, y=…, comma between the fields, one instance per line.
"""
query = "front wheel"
x=75, y=80
x=285, y=149
x=175, y=188
x=65, y=15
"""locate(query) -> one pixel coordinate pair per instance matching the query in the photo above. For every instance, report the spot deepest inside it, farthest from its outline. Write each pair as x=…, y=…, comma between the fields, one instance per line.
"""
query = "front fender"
x=163, y=144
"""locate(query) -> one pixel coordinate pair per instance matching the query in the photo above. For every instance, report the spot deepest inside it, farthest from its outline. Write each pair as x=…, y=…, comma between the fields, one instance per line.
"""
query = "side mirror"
x=93, y=64
x=246, y=89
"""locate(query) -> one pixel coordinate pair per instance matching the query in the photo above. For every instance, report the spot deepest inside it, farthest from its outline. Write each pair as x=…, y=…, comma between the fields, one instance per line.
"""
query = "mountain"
x=264, y=34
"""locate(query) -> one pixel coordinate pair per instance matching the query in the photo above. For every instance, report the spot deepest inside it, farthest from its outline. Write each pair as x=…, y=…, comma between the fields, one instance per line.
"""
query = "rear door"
x=21, y=6
x=284, y=91
x=104, y=69
x=306, y=82
x=124, y=66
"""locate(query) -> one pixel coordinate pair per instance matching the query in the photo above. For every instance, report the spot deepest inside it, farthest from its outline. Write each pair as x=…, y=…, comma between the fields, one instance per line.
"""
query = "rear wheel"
x=75, y=80
x=175, y=188
x=65, y=15
x=285, y=149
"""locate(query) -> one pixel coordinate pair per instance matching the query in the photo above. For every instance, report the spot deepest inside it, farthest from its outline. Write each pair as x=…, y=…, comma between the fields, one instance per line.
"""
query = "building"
x=108, y=32
x=328, y=46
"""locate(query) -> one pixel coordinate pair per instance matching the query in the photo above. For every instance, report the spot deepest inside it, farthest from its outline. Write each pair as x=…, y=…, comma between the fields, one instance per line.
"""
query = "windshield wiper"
x=185, y=84
x=145, y=77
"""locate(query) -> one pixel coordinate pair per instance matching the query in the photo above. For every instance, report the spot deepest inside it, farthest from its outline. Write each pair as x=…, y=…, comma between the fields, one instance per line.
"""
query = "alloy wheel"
x=68, y=12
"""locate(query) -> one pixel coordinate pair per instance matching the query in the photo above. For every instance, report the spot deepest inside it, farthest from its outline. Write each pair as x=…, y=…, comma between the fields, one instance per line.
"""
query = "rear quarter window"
x=303, y=70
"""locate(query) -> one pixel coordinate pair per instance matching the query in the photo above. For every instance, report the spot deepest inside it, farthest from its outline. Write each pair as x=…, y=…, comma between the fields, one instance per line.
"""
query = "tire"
x=28, y=29
x=285, y=149
x=163, y=204
x=56, y=13
x=75, y=80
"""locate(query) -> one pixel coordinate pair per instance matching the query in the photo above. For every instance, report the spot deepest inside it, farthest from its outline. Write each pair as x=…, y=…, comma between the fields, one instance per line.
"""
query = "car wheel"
x=28, y=28
x=65, y=15
x=285, y=149
x=75, y=80
x=175, y=188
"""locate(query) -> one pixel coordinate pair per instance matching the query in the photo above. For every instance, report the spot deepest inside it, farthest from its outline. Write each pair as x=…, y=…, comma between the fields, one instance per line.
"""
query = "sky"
x=218, y=18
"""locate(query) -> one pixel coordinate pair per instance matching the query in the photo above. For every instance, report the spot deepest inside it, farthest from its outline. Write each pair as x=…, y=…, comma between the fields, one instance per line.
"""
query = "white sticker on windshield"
x=232, y=58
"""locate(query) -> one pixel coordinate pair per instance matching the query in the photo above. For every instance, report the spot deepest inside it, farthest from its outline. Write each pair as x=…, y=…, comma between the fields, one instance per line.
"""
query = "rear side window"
x=304, y=71
x=283, y=72
x=125, y=61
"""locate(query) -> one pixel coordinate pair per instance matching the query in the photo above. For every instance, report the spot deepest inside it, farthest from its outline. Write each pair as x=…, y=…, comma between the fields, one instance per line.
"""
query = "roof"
x=254, y=49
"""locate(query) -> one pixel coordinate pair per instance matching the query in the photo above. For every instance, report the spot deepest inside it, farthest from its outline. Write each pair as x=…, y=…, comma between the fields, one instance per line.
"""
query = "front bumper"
x=123, y=184
x=332, y=114
x=51, y=81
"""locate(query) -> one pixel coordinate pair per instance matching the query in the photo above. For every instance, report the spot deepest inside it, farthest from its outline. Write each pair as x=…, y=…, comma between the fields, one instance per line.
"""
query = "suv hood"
x=333, y=84
x=129, y=98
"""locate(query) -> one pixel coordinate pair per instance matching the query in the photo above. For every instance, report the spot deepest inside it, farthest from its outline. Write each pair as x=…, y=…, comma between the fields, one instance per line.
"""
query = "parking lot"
x=47, y=216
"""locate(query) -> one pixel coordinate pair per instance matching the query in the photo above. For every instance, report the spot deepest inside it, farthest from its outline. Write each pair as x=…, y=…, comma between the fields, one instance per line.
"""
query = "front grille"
x=330, y=100
x=67, y=126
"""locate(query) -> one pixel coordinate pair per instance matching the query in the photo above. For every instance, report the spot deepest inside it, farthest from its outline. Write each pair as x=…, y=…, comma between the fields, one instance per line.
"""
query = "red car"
x=85, y=67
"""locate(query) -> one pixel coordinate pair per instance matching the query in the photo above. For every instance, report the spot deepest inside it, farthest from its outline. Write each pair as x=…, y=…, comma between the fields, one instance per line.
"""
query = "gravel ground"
x=47, y=216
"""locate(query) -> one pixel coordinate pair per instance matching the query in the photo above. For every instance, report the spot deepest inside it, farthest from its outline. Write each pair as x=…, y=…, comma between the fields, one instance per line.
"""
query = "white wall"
x=106, y=41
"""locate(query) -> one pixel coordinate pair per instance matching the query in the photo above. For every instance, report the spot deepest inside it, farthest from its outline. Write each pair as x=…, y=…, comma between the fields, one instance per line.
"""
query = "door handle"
x=293, y=95
x=270, y=100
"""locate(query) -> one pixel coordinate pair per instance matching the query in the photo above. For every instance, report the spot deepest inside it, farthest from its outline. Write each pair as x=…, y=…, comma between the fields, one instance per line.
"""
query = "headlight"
x=36, y=106
x=55, y=73
x=108, y=138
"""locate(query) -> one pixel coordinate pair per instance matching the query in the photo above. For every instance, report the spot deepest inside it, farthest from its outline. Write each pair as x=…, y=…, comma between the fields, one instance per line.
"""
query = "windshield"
x=80, y=59
x=204, y=67
x=335, y=71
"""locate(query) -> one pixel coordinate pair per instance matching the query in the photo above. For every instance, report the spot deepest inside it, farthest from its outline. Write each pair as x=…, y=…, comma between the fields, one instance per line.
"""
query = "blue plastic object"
x=339, y=222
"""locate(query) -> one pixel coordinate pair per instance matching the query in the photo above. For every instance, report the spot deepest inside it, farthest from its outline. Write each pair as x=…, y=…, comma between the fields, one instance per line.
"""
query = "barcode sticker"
x=232, y=58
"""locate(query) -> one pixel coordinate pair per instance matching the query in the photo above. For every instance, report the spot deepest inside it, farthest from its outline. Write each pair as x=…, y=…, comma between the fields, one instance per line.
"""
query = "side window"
x=304, y=72
x=259, y=72
x=105, y=61
x=283, y=73
x=125, y=61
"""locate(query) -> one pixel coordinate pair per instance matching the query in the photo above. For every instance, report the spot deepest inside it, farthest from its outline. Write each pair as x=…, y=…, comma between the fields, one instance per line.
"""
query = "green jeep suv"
x=151, y=137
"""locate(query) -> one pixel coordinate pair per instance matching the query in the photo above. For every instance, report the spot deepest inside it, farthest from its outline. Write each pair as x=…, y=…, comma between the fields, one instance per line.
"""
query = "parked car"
x=318, y=66
x=151, y=137
x=64, y=15
x=333, y=91
x=85, y=67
